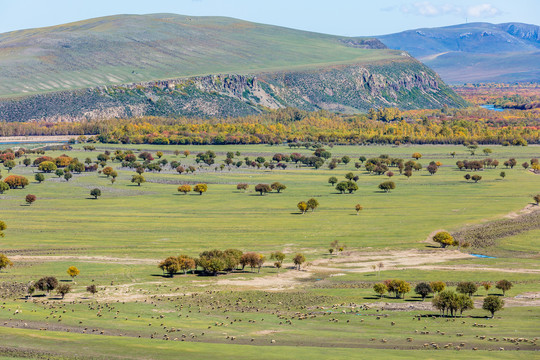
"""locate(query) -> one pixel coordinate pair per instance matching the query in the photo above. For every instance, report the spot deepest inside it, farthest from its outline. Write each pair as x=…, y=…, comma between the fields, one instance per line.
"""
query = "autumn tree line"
x=379, y=126
x=216, y=261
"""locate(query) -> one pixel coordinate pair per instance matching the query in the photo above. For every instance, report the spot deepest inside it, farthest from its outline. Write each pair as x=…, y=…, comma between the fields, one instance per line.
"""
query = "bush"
x=444, y=238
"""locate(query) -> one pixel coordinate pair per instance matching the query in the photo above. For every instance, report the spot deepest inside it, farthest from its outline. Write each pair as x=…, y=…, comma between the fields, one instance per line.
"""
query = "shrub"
x=242, y=186
x=298, y=260
x=445, y=239
x=4, y=262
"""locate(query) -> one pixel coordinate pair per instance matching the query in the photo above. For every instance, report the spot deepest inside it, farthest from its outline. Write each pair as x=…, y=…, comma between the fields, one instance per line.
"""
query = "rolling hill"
x=475, y=52
x=165, y=64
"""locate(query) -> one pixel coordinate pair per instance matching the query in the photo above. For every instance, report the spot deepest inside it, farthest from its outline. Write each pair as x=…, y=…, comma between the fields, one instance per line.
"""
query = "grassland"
x=328, y=310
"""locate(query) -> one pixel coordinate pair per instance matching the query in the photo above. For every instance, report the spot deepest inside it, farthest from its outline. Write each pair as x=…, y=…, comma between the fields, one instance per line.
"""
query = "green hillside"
x=137, y=48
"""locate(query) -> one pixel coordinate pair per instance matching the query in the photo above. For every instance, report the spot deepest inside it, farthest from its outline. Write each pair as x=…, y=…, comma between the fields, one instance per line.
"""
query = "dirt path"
x=477, y=268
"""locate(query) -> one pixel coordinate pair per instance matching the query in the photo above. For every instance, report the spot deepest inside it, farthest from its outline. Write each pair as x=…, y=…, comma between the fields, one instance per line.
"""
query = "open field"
x=326, y=310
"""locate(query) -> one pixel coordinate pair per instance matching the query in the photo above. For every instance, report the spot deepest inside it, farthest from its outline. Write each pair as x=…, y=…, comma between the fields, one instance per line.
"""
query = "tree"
x=446, y=301
x=332, y=180
x=3, y=187
x=3, y=227
x=464, y=302
x=186, y=263
x=47, y=166
x=351, y=187
x=387, y=186
x=30, y=199
x=170, y=265
x=138, y=179
x=467, y=177
x=358, y=208
x=263, y=188
x=476, y=178
x=27, y=161
x=200, y=188
x=184, y=189
x=407, y=173
x=380, y=289
x=4, y=262
x=186, y=153
x=312, y=204
x=59, y=172
x=493, y=304
x=416, y=155
x=278, y=256
x=232, y=258
x=349, y=176
x=432, y=168
x=9, y=164
x=345, y=159
x=95, y=193
x=342, y=187
x=445, y=239
x=278, y=187
x=107, y=171
x=536, y=198
x=39, y=177
x=423, y=289
x=298, y=260
x=73, y=272
x=16, y=181
x=242, y=186
x=92, y=289
x=504, y=286
x=467, y=287
x=302, y=206
x=67, y=175
x=47, y=284
x=63, y=289
x=437, y=286
x=502, y=174
x=159, y=154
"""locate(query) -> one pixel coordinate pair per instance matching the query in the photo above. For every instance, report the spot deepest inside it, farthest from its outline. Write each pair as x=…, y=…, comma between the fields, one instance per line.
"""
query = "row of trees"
x=214, y=261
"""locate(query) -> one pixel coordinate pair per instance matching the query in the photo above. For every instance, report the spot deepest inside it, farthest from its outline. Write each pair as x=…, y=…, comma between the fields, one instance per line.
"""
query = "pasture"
x=328, y=309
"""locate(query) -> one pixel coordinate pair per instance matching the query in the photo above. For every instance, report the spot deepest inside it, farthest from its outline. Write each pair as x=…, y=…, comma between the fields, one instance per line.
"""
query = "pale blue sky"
x=341, y=17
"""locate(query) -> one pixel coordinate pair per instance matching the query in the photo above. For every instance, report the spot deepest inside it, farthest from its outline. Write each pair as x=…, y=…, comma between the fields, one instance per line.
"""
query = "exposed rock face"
x=346, y=88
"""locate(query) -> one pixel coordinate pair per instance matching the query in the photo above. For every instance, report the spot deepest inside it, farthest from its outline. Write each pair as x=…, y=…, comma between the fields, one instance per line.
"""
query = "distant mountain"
x=174, y=65
x=475, y=52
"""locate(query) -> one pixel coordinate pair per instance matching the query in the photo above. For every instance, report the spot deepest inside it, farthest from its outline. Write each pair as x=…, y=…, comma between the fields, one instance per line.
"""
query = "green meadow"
x=327, y=310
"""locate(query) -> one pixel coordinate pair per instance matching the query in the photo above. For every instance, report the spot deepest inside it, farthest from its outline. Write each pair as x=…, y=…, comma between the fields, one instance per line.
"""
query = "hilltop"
x=475, y=52
x=165, y=64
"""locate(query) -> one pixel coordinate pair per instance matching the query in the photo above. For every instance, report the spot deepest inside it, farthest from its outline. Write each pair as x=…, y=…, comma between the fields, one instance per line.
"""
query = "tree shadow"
x=413, y=300
x=373, y=297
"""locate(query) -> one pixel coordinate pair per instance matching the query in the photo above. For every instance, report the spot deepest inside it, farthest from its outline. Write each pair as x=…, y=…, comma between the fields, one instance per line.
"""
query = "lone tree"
x=73, y=272
x=39, y=177
x=138, y=179
x=63, y=289
x=476, y=178
x=504, y=286
x=502, y=174
x=380, y=289
x=30, y=199
x=416, y=155
x=263, y=188
x=67, y=175
x=445, y=239
x=302, y=206
x=493, y=304
x=278, y=187
x=184, y=189
x=358, y=208
x=387, y=186
x=170, y=265
x=423, y=289
x=332, y=180
x=200, y=188
x=298, y=260
x=95, y=193
x=92, y=289
x=536, y=198
x=4, y=262
x=312, y=204
x=467, y=287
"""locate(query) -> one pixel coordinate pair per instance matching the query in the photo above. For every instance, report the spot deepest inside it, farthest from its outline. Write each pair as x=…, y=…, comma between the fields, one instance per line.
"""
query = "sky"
x=339, y=17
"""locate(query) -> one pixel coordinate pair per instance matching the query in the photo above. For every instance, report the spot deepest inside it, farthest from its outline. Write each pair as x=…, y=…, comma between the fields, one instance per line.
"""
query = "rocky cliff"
x=404, y=83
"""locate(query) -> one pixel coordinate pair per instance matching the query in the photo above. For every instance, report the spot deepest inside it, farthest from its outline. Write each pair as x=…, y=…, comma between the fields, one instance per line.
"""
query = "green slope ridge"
x=134, y=48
